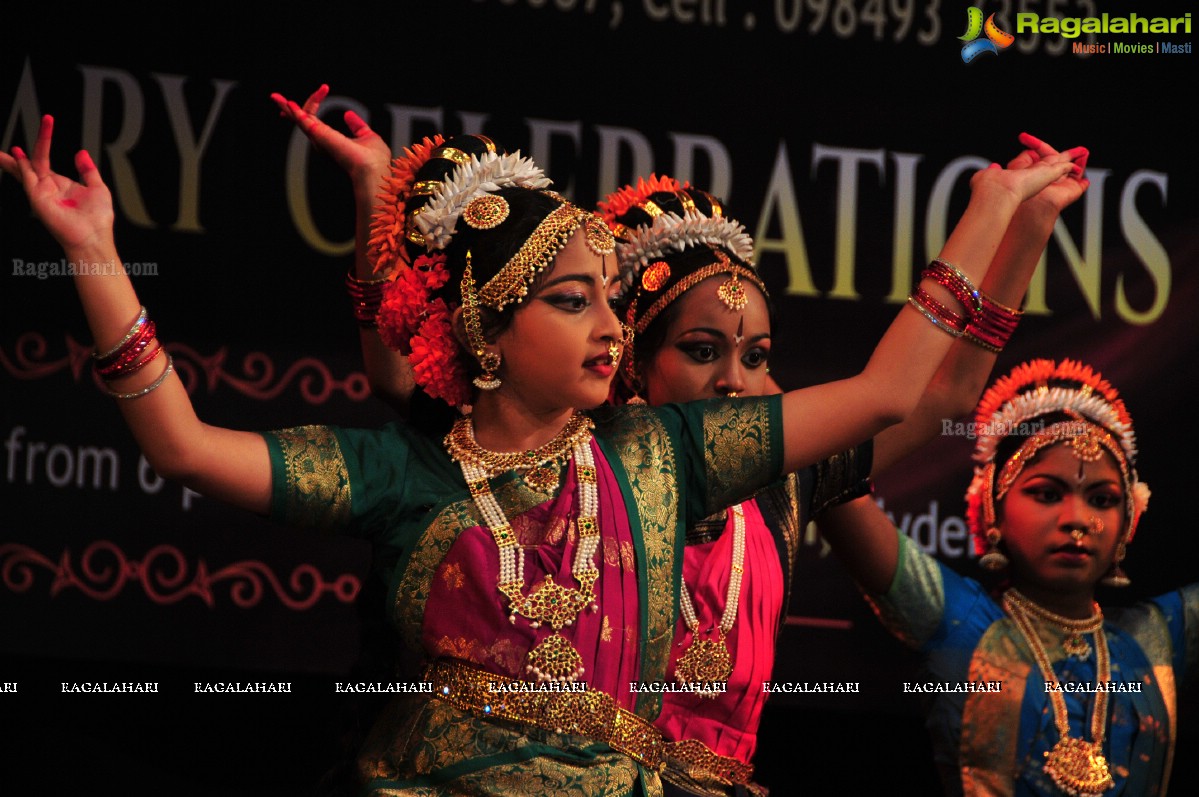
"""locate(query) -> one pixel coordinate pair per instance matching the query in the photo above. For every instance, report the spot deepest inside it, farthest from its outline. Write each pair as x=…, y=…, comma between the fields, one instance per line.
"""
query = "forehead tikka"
x=731, y=293
x=511, y=283
x=1087, y=443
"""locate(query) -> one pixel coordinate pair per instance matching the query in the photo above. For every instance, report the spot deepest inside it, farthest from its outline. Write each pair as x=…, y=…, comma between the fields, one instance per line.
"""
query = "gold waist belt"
x=700, y=763
x=589, y=713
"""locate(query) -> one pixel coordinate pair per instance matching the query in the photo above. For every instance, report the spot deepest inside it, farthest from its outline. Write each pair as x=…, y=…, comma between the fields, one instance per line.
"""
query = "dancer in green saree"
x=532, y=554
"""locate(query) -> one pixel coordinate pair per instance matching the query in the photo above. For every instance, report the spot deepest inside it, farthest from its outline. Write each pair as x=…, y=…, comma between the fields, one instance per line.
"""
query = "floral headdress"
x=656, y=222
x=411, y=317
x=389, y=224
x=668, y=232
x=1096, y=420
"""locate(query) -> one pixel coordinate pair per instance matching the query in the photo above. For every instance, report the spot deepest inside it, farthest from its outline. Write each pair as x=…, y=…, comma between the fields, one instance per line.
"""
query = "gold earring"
x=1116, y=577
x=635, y=386
x=490, y=363
x=993, y=559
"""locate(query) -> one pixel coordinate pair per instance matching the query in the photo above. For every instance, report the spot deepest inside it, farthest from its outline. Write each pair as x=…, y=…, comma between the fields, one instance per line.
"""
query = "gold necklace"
x=554, y=658
x=1075, y=644
x=708, y=661
x=539, y=467
x=1077, y=766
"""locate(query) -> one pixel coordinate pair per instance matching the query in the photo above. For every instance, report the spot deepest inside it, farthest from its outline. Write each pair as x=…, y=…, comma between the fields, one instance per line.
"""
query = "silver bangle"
x=150, y=388
x=137, y=324
x=938, y=323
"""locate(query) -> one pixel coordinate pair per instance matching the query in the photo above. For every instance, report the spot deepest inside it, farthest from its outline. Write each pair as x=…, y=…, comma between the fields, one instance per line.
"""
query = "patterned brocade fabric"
x=914, y=605
x=994, y=742
x=396, y=488
x=842, y=477
x=431, y=749
x=314, y=490
x=741, y=436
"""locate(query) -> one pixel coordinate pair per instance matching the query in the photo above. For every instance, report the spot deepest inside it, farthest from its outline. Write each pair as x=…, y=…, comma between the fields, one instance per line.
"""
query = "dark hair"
x=647, y=344
x=489, y=249
x=682, y=263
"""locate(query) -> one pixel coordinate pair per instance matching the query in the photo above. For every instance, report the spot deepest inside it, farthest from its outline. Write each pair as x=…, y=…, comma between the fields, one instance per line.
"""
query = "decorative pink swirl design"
x=103, y=571
x=30, y=359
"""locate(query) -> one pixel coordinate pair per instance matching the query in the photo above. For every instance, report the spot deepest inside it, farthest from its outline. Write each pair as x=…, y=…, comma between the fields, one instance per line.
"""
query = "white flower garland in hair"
x=672, y=231
x=1030, y=405
x=438, y=219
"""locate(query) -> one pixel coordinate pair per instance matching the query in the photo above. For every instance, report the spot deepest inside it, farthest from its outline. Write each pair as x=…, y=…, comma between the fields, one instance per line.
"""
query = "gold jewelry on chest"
x=708, y=662
x=554, y=658
x=1077, y=766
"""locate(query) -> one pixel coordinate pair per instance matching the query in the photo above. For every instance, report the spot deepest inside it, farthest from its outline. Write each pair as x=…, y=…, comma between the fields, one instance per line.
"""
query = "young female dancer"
x=1087, y=703
x=493, y=539
x=703, y=325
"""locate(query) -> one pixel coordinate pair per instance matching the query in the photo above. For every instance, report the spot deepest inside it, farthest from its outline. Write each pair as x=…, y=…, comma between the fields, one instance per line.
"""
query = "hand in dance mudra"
x=1061, y=193
x=363, y=154
x=77, y=214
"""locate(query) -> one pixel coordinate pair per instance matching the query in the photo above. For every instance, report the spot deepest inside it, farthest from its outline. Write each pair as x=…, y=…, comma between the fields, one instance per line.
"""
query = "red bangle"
x=137, y=366
x=365, y=296
x=129, y=352
x=993, y=327
x=928, y=301
x=957, y=283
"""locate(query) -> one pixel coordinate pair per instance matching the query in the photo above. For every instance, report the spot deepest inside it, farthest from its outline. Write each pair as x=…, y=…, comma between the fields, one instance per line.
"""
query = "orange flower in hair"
x=435, y=364
x=621, y=201
x=386, y=246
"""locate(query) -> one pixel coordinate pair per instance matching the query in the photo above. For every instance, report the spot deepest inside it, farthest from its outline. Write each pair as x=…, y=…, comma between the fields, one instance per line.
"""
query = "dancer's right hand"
x=78, y=214
x=1024, y=183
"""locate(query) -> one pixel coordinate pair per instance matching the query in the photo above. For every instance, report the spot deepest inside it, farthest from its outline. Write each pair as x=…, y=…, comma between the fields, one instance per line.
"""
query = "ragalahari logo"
x=995, y=40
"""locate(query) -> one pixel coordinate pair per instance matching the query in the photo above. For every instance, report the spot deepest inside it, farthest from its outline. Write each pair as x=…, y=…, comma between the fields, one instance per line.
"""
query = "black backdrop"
x=841, y=131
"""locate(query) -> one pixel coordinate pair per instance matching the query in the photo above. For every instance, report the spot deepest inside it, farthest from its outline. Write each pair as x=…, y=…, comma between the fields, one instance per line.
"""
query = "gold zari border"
x=699, y=762
x=590, y=713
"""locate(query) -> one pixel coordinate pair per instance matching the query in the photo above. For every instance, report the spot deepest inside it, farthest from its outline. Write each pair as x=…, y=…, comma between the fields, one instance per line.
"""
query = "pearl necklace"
x=554, y=658
x=708, y=661
x=1077, y=766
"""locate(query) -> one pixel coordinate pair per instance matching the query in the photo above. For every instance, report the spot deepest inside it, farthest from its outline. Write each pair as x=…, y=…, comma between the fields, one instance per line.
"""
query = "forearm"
x=387, y=371
x=911, y=351
x=864, y=541
x=962, y=376
x=220, y=463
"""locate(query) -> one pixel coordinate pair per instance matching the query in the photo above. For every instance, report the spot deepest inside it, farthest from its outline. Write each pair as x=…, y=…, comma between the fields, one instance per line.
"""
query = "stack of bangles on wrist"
x=365, y=296
x=133, y=353
x=986, y=322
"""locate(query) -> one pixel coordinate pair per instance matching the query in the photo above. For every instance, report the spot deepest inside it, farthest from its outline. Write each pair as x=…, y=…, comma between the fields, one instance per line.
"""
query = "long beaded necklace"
x=1077, y=766
x=708, y=661
x=554, y=658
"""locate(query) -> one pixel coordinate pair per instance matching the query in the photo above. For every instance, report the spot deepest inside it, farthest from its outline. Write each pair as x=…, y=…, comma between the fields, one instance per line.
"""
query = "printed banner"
x=842, y=133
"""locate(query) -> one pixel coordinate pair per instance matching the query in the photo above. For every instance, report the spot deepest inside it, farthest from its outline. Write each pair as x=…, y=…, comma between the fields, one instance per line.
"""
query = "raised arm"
x=366, y=158
x=221, y=463
x=962, y=375
x=822, y=420
x=860, y=534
